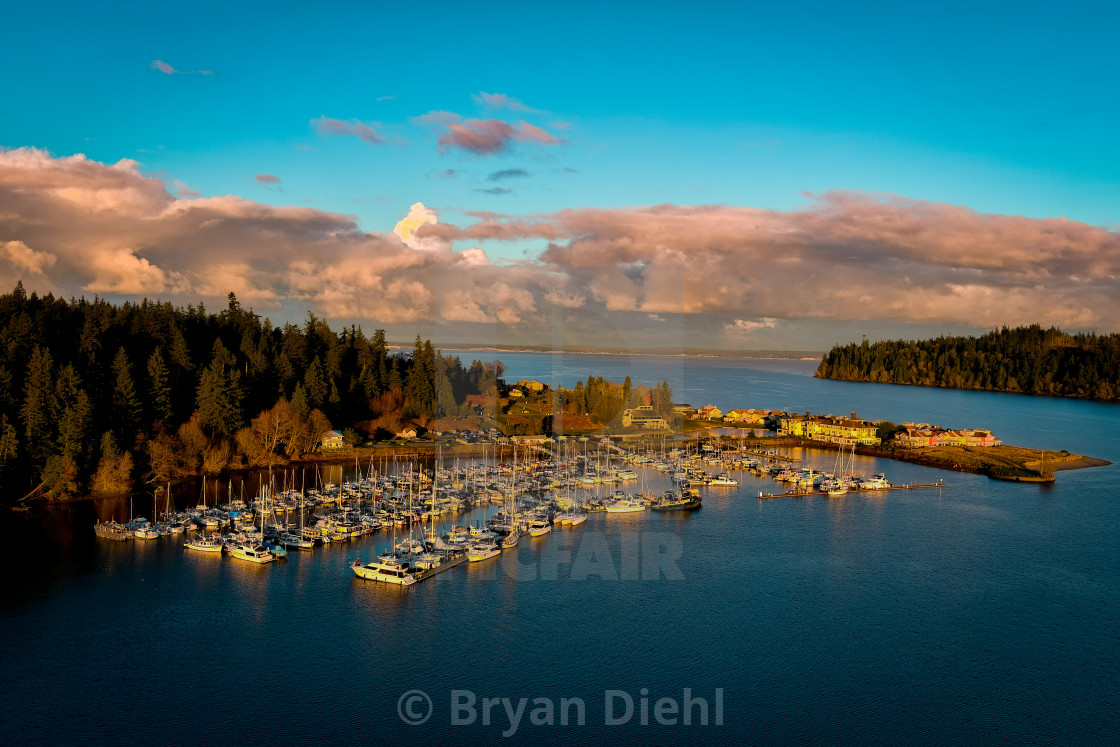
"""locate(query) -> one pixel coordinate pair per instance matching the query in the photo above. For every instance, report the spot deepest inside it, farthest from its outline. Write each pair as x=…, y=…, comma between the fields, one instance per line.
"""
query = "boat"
x=253, y=553
x=539, y=527
x=877, y=481
x=386, y=569
x=625, y=506
x=480, y=552
x=112, y=530
x=677, y=501
x=205, y=543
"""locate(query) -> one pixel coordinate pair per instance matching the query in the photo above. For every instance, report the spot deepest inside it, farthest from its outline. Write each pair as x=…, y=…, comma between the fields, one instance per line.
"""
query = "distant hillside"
x=1029, y=360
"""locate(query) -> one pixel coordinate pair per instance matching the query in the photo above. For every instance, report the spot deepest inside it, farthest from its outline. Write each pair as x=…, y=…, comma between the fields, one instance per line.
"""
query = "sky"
x=644, y=175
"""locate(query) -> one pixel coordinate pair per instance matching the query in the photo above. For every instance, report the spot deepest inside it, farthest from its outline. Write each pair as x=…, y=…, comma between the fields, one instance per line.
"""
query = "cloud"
x=750, y=325
x=268, y=180
x=25, y=258
x=75, y=226
x=501, y=101
x=483, y=136
x=167, y=69
x=496, y=191
x=507, y=174
x=443, y=174
x=328, y=126
x=418, y=215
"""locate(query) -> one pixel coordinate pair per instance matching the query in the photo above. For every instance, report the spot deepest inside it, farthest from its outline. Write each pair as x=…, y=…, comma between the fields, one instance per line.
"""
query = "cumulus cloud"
x=25, y=258
x=418, y=215
x=357, y=128
x=74, y=225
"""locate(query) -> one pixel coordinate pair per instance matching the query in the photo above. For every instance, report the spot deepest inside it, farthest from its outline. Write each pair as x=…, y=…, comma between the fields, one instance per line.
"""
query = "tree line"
x=1030, y=360
x=94, y=396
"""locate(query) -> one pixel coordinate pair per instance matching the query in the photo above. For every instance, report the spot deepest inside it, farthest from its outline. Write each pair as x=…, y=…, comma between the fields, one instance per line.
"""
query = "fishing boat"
x=386, y=569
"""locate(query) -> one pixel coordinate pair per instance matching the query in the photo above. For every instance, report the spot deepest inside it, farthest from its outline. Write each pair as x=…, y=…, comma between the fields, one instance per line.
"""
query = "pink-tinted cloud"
x=501, y=101
x=488, y=136
x=167, y=69
x=328, y=126
x=268, y=180
x=73, y=225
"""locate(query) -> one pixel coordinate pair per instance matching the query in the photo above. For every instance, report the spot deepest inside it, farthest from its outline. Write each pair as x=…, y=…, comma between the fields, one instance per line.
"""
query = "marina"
x=920, y=597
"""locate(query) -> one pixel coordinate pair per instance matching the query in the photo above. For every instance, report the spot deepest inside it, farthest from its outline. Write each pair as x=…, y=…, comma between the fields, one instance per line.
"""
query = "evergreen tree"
x=159, y=388
x=126, y=403
x=37, y=409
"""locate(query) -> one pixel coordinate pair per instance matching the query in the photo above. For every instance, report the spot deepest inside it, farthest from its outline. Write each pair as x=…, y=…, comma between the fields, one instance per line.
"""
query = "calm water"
x=984, y=612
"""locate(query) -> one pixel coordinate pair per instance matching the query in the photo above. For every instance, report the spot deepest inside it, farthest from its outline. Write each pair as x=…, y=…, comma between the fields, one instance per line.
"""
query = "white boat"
x=875, y=482
x=252, y=553
x=482, y=552
x=625, y=506
x=386, y=569
x=205, y=543
x=578, y=519
x=539, y=528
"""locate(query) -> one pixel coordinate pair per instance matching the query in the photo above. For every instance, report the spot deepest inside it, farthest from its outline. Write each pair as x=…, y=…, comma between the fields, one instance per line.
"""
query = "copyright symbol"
x=414, y=707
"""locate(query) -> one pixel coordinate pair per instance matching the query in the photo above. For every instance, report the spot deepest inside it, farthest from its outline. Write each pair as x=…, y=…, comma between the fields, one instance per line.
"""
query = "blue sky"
x=1003, y=108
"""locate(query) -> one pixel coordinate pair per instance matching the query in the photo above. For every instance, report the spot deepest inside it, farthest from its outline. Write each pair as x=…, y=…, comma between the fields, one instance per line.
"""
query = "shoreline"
x=981, y=460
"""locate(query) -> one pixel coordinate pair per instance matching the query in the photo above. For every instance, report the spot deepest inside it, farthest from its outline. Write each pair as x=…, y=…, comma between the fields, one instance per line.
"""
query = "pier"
x=805, y=493
x=454, y=560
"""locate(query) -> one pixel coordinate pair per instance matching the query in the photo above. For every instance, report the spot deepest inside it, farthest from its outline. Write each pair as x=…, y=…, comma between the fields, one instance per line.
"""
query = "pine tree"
x=126, y=404
x=159, y=388
x=37, y=409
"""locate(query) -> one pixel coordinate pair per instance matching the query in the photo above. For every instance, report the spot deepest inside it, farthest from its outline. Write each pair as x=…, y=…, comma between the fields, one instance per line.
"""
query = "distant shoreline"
x=795, y=355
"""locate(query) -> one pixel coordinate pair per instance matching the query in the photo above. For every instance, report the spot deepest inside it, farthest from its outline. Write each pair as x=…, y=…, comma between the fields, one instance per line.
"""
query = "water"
x=982, y=612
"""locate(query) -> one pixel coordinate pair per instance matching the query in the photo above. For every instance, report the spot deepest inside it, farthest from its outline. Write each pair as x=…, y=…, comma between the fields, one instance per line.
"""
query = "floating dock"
x=806, y=493
x=454, y=560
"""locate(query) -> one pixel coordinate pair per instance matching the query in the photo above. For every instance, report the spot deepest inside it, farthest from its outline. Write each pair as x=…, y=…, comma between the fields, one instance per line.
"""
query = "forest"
x=94, y=396
x=1028, y=360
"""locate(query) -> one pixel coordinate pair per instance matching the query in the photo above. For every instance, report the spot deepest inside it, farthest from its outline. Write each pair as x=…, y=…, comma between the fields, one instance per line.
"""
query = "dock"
x=806, y=493
x=454, y=560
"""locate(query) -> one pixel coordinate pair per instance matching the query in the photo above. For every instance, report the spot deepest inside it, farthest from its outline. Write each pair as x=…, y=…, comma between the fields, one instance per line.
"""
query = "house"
x=516, y=394
x=829, y=428
x=643, y=417
x=333, y=440
x=528, y=385
x=407, y=433
x=709, y=412
x=924, y=435
x=747, y=417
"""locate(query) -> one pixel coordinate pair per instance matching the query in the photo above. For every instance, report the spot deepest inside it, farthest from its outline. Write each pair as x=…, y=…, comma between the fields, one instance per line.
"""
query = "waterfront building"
x=643, y=417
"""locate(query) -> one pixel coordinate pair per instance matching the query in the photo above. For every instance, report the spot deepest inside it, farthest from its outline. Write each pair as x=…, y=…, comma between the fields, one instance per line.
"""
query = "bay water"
x=980, y=612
